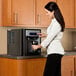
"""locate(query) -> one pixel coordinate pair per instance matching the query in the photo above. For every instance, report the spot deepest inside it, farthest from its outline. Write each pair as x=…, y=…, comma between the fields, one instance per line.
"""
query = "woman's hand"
x=35, y=47
x=42, y=34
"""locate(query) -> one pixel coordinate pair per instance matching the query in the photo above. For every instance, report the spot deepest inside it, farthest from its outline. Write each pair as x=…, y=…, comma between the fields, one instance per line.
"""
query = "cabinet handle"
x=15, y=18
x=38, y=19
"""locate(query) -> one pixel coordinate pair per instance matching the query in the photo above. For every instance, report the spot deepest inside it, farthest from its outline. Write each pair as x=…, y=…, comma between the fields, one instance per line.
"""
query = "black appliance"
x=20, y=41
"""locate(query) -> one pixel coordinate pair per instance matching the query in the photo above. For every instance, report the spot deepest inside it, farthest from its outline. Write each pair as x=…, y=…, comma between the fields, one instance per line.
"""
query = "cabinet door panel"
x=75, y=13
x=22, y=67
x=68, y=66
x=23, y=12
x=3, y=67
x=0, y=12
x=67, y=8
x=75, y=66
x=42, y=19
x=35, y=67
x=6, y=12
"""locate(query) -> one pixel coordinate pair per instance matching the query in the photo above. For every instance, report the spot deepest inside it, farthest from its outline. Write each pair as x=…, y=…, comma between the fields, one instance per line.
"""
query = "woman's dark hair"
x=52, y=6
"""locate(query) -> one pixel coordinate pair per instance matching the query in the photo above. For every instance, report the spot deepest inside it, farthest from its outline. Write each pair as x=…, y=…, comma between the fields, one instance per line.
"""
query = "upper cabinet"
x=42, y=20
x=67, y=8
x=6, y=12
x=18, y=12
x=75, y=13
x=0, y=12
x=25, y=13
x=32, y=13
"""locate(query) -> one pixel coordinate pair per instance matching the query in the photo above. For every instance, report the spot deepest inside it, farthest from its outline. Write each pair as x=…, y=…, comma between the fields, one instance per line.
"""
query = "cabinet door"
x=3, y=67
x=23, y=12
x=0, y=12
x=75, y=66
x=35, y=67
x=6, y=12
x=75, y=13
x=21, y=67
x=13, y=67
x=67, y=9
x=18, y=12
x=68, y=66
x=42, y=20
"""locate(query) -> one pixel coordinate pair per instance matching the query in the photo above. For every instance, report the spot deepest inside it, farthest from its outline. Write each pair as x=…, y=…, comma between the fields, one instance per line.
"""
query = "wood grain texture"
x=68, y=66
x=67, y=9
x=24, y=67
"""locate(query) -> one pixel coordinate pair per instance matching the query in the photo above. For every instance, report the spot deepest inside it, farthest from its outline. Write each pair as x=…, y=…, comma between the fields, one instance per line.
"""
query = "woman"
x=52, y=41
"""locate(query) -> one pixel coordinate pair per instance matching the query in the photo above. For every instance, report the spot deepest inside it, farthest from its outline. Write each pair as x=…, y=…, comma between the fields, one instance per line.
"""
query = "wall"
x=3, y=40
x=74, y=41
x=67, y=40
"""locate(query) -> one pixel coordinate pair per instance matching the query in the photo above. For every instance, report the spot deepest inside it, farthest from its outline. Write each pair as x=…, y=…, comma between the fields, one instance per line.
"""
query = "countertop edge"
x=31, y=57
x=21, y=57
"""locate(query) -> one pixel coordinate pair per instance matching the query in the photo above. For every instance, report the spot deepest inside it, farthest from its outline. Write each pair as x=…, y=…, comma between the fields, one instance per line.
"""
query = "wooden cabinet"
x=75, y=13
x=68, y=66
x=3, y=67
x=12, y=68
x=6, y=12
x=32, y=14
x=18, y=12
x=35, y=67
x=42, y=20
x=75, y=66
x=8, y=67
x=0, y=12
x=22, y=67
x=25, y=13
x=67, y=8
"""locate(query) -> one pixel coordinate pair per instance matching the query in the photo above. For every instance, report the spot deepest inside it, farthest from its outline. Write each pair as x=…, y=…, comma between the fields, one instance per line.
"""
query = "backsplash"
x=68, y=40
x=3, y=40
x=74, y=41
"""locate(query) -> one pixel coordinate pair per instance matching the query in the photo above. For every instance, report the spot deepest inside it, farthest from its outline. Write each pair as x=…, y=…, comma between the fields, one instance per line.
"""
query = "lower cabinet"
x=75, y=66
x=23, y=67
x=34, y=67
x=8, y=67
x=68, y=66
x=31, y=67
x=3, y=67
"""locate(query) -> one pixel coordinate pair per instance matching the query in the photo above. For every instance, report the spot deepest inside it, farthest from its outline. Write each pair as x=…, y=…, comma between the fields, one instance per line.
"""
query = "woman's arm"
x=52, y=33
x=42, y=34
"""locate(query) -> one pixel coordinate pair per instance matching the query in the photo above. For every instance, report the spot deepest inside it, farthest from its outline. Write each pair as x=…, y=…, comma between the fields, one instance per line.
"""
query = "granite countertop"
x=31, y=57
x=21, y=57
x=70, y=53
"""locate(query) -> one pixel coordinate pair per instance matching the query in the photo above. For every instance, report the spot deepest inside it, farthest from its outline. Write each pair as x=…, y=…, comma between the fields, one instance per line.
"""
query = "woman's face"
x=50, y=14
